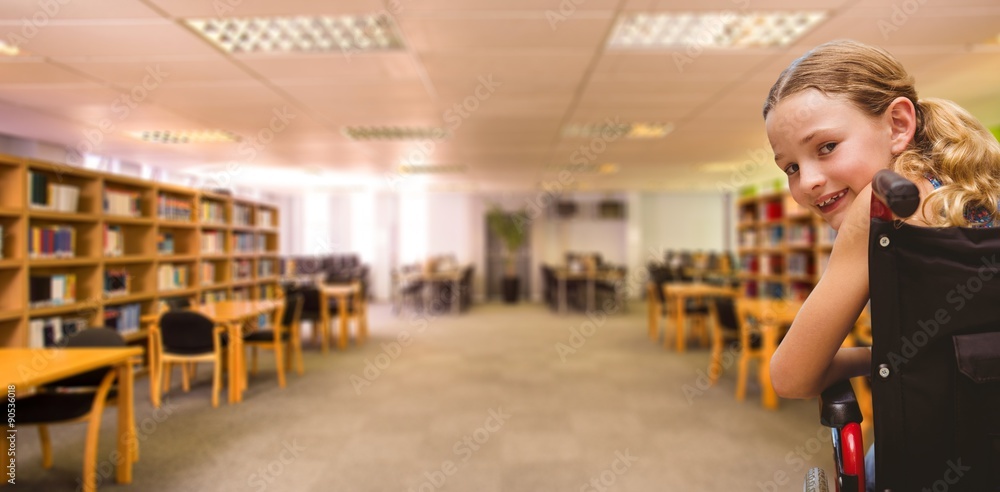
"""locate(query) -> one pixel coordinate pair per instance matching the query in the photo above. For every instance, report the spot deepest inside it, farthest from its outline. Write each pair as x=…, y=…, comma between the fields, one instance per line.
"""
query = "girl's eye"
x=792, y=169
x=827, y=148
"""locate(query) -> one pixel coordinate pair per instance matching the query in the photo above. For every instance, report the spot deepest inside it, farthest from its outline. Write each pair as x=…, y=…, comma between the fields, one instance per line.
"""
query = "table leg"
x=769, y=344
x=235, y=364
x=653, y=306
x=362, y=307
x=126, y=424
x=323, y=324
x=562, y=295
x=342, y=311
x=680, y=317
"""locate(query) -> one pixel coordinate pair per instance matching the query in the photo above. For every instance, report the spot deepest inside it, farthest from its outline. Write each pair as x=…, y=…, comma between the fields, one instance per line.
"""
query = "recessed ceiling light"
x=394, y=133
x=8, y=49
x=434, y=169
x=712, y=29
x=301, y=34
x=607, y=168
x=613, y=131
x=185, y=136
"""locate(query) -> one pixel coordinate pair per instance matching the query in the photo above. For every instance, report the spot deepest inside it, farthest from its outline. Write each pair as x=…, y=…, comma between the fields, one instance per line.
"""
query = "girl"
x=834, y=118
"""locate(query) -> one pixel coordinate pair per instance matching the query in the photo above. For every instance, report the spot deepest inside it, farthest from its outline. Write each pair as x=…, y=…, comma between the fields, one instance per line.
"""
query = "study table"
x=452, y=275
x=774, y=316
x=342, y=292
x=590, y=276
x=29, y=368
x=676, y=294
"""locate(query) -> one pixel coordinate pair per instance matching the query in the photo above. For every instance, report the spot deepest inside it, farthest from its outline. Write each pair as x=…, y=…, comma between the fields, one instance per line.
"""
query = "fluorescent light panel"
x=394, y=133
x=185, y=136
x=300, y=34
x=434, y=169
x=639, y=130
x=712, y=29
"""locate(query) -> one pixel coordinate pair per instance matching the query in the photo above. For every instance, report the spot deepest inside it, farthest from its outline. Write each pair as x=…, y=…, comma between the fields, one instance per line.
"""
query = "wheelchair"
x=935, y=362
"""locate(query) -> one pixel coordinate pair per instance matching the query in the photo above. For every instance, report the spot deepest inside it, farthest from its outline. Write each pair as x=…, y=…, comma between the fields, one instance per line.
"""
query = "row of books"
x=124, y=319
x=207, y=271
x=169, y=277
x=52, y=332
x=51, y=242
x=242, y=270
x=800, y=235
x=114, y=240
x=170, y=208
x=800, y=263
x=211, y=212
x=213, y=296
x=265, y=218
x=213, y=242
x=45, y=195
x=122, y=202
x=117, y=282
x=243, y=242
x=266, y=268
x=165, y=243
x=52, y=290
x=242, y=215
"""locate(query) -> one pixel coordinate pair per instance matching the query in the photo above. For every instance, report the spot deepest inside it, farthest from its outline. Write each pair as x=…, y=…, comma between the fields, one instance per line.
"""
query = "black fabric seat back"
x=186, y=332
x=935, y=356
x=293, y=307
x=89, y=338
x=725, y=311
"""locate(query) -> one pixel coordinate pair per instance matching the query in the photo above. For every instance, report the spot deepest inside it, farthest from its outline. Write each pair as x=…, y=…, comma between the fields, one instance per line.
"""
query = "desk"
x=341, y=292
x=774, y=317
x=564, y=274
x=453, y=275
x=25, y=368
x=235, y=315
x=676, y=294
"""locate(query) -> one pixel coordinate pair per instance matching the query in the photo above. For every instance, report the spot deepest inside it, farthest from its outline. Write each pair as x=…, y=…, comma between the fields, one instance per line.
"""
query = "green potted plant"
x=510, y=229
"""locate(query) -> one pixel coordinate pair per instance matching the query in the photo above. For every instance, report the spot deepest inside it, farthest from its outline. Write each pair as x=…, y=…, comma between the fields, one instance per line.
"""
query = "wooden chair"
x=751, y=349
x=186, y=337
x=728, y=331
x=80, y=398
x=284, y=339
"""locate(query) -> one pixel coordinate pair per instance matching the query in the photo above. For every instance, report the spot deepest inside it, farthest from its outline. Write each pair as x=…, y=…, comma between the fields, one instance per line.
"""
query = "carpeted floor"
x=499, y=399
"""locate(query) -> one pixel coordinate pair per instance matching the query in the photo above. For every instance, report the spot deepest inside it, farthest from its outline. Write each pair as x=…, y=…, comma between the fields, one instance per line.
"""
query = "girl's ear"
x=902, y=123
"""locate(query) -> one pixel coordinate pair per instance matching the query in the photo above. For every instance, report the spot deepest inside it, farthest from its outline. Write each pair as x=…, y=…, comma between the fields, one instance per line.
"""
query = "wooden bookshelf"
x=107, y=228
x=783, y=248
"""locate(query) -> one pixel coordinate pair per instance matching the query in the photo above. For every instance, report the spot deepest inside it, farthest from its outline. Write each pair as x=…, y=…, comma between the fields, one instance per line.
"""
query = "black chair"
x=284, y=339
x=75, y=399
x=186, y=337
x=730, y=331
x=935, y=356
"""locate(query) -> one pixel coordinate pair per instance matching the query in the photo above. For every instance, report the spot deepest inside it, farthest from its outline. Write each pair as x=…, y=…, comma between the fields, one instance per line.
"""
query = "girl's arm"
x=810, y=358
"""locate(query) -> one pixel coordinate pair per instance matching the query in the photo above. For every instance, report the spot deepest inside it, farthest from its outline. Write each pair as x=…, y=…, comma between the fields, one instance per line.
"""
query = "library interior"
x=421, y=245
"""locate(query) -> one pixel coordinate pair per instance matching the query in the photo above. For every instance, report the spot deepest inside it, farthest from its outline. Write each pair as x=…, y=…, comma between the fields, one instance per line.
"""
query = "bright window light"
x=712, y=29
x=300, y=34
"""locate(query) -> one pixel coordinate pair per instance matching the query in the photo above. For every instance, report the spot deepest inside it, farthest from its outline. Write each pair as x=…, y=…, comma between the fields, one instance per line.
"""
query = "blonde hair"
x=949, y=143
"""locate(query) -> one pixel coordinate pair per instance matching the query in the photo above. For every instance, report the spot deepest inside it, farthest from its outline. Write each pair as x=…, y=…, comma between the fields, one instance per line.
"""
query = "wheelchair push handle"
x=897, y=192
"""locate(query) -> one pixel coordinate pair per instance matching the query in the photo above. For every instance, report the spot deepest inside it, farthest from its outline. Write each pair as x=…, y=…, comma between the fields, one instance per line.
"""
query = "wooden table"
x=342, y=292
x=28, y=368
x=235, y=315
x=774, y=316
x=564, y=274
x=453, y=275
x=676, y=294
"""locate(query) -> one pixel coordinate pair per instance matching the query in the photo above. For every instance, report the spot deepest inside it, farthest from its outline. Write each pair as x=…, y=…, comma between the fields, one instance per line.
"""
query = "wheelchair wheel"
x=815, y=481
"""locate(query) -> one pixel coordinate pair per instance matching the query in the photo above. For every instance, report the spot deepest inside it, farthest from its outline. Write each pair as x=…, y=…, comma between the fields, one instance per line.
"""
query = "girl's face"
x=829, y=149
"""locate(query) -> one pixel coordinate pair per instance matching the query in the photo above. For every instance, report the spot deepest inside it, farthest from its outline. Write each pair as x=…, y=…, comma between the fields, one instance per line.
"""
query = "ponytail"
x=954, y=147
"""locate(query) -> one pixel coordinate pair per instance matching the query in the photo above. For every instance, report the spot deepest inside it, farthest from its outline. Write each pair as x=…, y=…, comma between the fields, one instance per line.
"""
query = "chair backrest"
x=659, y=275
x=293, y=309
x=89, y=338
x=177, y=303
x=935, y=356
x=725, y=313
x=186, y=332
